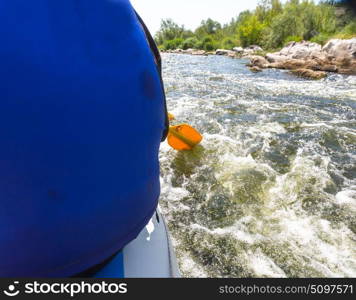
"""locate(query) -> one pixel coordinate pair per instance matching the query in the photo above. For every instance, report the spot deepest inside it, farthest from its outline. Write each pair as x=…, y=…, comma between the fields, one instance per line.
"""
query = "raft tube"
x=82, y=115
x=150, y=255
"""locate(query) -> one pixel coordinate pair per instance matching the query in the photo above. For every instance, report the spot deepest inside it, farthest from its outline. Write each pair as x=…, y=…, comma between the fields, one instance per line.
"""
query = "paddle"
x=183, y=137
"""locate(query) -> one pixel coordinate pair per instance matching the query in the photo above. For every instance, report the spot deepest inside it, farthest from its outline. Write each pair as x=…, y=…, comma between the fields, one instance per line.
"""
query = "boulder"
x=188, y=51
x=294, y=50
x=175, y=51
x=251, y=50
x=326, y=68
x=254, y=48
x=291, y=64
x=255, y=69
x=238, y=50
x=308, y=74
x=258, y=61
x=274, y=57
x=337, y=48
x=350, y=69
x=198, y=52
x=248, y=52
x=225, y=52
x=300, y=50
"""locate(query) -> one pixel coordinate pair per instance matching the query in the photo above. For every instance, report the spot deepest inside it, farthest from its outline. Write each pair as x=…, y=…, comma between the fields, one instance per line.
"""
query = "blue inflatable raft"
x=82, y=115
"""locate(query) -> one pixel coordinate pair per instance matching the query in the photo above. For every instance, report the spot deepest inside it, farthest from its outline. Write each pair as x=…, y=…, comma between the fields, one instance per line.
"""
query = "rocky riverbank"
x=311, y=60
x=189, y=51
x=236, y=52
x=305, y=59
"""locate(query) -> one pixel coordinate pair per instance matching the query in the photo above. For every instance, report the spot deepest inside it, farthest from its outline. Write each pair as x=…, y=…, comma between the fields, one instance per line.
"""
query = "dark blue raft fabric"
x=81, y=119
x=113, y=269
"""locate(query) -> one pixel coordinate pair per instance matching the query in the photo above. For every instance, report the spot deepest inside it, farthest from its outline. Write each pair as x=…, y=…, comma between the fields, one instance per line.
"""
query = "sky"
x=189, y=12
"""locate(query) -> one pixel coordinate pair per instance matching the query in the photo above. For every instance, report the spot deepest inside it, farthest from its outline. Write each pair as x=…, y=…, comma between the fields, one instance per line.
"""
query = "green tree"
x=208, y=27
x=286, y=24
x=169, y=30
x=250, y=31
x=208, y=43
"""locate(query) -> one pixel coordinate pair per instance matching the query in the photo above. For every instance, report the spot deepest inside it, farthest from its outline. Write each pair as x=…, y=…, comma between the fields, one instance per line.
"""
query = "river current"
x=271, y=190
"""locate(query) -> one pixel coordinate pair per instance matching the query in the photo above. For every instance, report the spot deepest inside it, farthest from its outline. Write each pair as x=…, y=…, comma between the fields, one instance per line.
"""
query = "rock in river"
x=225, y=52
x=309, y=74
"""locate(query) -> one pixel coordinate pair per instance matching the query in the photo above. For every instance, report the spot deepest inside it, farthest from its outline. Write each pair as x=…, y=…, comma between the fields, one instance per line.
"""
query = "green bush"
x=209, y=46
x=191, y=42
x=199, y=45
x=350, y=28
x=321, y=38
x=208, y=43
x=228, y=43
x=293, y=38
x=206, y=39
x=348, y=32
x=343, y=36
x=173, y=44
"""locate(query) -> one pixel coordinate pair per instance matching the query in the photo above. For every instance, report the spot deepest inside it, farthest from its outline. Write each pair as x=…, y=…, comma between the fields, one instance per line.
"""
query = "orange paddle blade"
x=183, y=137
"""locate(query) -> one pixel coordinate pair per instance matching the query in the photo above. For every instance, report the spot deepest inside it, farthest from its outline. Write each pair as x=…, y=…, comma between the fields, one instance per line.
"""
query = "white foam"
x=189, y=266
x=346, y=197
x=263, y=266
x=238, y=231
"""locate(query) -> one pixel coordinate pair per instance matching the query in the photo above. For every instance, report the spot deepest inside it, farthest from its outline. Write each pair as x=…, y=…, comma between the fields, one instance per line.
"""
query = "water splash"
x=150, y=227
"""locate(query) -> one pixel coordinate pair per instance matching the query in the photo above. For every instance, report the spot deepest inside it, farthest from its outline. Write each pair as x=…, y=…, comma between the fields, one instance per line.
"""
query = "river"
x=271, y=190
